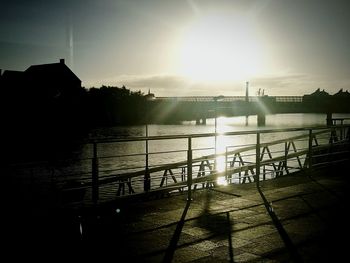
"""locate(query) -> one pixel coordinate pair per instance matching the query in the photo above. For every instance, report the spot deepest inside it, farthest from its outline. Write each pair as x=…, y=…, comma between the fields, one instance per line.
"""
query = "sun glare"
x=219, y=48
x=220, y=160
x=221, y=181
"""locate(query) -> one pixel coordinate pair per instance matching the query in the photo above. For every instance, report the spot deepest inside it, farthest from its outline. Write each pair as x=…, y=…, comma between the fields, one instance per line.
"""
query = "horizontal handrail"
x=203, y=135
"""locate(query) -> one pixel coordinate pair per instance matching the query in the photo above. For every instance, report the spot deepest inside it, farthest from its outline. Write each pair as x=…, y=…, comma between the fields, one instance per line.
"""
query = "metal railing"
x=257, y=161
x=110, y=172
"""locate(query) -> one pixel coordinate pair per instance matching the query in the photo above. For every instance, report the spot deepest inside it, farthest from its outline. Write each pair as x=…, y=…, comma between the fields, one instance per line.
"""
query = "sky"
x=185, y=47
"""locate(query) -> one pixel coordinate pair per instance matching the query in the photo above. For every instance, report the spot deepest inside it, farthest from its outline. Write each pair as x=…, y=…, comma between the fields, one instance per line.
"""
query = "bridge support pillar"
x=261, y=119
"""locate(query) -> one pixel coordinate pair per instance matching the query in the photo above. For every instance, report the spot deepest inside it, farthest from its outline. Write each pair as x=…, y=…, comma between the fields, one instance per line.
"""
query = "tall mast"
x=247, y=92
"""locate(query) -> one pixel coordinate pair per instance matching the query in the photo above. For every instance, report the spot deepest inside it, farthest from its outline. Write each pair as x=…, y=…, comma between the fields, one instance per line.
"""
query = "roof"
x=318, y=92
x=51, y=70
x=12, y=77
x=342, y=93
x=12, y=74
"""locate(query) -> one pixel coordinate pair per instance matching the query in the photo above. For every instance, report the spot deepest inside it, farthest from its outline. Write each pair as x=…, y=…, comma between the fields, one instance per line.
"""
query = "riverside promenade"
x=300, y=217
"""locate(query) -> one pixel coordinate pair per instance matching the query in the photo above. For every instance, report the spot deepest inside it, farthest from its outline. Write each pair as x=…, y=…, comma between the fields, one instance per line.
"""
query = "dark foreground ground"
x=296, y=218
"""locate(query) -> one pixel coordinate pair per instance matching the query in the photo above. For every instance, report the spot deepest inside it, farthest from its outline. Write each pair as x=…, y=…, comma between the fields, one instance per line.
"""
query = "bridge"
x=200, y=108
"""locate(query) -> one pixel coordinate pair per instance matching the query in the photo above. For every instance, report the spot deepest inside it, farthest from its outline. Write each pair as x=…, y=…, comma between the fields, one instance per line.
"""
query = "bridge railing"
x=231, y=98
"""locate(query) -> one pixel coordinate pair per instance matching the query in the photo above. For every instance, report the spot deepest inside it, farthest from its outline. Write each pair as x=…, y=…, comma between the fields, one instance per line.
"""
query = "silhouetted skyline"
x=190, y=47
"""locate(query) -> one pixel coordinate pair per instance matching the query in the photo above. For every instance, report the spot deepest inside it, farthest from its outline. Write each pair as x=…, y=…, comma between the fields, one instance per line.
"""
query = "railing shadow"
x=169, y=254
x=218, y=224
x=282, y=232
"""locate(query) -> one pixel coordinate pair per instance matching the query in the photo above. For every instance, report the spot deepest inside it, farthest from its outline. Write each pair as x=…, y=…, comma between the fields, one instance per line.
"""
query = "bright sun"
x=220, y=48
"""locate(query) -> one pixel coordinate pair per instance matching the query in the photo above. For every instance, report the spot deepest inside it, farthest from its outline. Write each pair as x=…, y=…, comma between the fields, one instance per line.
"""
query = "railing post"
x=341, y=130
x=285, y=156
x=240, y=173
x=189, y=169
x=147, y=178
x=329, y=119
x=226, y=161
x=257, y=159
x=264, y=173
x=95, y=194
x=310, y=149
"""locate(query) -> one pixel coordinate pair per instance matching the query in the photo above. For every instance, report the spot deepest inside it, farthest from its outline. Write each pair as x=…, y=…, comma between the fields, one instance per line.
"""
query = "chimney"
x=62, y=60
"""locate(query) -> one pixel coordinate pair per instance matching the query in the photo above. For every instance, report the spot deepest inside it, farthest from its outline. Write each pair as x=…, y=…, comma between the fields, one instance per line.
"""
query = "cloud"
x=298, y=84
x=273, y=85
x=173, y=85
x=156, y=81
x=164, y=84
x=290, y=84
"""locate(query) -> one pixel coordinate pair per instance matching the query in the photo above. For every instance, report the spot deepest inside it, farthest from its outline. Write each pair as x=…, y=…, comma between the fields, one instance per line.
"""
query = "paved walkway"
x=291, y=219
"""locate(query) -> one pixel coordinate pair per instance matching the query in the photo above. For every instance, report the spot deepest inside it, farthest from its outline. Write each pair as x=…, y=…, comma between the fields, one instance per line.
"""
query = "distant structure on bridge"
x=149, y=95
x=247, y=92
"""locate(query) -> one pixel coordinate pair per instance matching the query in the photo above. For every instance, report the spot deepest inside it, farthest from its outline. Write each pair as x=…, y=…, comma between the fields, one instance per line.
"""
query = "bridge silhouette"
x=201, y=108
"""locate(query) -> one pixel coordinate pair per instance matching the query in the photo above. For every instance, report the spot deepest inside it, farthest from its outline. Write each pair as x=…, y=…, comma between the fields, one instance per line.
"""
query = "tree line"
x=33, y=118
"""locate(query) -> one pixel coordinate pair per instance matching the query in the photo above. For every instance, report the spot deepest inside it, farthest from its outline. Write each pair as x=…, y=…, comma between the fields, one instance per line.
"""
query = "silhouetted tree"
x=115, y=106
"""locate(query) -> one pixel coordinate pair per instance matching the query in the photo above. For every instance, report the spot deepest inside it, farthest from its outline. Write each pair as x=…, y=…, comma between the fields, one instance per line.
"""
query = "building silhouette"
x=43, y=103
x=45, y=80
